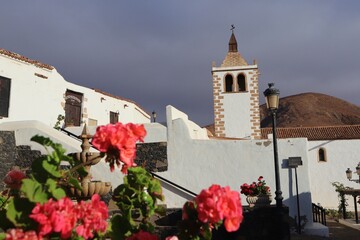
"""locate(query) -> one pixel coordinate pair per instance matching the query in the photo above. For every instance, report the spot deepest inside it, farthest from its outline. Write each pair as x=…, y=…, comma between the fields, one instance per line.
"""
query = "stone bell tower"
x=236, y=96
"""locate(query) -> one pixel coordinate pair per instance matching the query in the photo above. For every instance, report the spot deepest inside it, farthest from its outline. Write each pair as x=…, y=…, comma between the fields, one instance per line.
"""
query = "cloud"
x=160, y=52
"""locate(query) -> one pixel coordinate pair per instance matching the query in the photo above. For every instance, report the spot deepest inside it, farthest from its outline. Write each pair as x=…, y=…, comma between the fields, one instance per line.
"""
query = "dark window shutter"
x=4, y=96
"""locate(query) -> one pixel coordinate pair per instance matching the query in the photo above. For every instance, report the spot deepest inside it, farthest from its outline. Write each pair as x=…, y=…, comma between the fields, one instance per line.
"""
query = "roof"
x=121, y=98
x=233, y=57
x=316, y=133
x=25, y=59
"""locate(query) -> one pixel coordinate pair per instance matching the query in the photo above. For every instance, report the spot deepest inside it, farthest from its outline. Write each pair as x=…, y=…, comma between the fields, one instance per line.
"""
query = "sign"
x=294, y=162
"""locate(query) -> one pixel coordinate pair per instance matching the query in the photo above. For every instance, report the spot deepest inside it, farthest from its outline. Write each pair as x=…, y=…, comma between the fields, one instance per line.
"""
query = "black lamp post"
x=349, y=174
x=154, y=116
x=272, y=103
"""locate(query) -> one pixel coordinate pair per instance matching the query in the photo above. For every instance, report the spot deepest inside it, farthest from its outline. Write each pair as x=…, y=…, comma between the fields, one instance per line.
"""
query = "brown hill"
x=312, y=109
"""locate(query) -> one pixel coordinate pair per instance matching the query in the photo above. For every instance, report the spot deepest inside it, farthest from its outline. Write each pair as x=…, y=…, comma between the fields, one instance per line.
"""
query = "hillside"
x=312, y=109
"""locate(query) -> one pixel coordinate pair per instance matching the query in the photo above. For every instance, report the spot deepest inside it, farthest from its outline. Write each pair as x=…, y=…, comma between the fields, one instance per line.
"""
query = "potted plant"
x=257, y=193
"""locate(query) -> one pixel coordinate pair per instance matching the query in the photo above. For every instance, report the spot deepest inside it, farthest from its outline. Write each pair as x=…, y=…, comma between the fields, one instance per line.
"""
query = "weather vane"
x=232, y=28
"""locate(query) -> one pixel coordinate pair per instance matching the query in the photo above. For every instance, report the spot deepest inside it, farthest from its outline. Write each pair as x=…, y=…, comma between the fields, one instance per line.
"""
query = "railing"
x=319, y=214
x=70, y=134
x=174, y=184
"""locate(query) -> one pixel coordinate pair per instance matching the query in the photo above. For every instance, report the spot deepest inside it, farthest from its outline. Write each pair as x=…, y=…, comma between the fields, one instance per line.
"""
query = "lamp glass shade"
x=348, y=173
x=272, y=97
x=272, y=102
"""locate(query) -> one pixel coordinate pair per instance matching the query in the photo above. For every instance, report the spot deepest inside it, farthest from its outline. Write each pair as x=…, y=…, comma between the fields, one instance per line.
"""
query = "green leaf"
x=82, y=172
x=4, y=221
x=34, y=191
x=55, y=191
x=74, y=182
x=120, y=228
x=51, y=169
x=18, y=212
x=2, y=236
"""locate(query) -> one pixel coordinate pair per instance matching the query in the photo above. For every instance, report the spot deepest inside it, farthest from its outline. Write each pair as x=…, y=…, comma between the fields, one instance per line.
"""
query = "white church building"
x=31, y=90
x=239, y=151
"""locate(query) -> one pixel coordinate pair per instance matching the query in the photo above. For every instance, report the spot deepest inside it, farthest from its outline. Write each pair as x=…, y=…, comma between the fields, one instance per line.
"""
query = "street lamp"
x=154, y=116
x=272, y=103
x=349, y=174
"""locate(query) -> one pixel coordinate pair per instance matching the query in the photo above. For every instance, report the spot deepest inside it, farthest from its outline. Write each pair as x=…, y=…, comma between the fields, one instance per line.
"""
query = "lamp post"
x=272, y=103
x=349, y=174
x=154, y=116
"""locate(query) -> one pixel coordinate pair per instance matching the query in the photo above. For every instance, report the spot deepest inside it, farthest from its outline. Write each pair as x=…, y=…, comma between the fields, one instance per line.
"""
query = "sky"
x=159, y=52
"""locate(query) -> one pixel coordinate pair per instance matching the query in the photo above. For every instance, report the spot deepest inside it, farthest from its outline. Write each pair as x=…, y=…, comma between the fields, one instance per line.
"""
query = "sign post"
x=294, y=162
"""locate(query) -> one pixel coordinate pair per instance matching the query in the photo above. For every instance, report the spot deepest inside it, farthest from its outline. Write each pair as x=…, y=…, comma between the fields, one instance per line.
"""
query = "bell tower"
x=236, y=96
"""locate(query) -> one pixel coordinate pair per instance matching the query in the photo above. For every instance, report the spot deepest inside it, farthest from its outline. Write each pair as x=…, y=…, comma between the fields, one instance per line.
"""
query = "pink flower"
x=119, y=142
x=172, y=238
x=63, y=217
x=230, y=204
x=13, y=179
x=19, y=234
x=92, y=217
x=142, y=236
x=55, y=216
x=207, y=205
x=220, y=203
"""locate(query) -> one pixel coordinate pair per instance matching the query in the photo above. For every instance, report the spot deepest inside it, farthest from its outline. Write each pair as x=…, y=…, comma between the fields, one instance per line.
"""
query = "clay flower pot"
x=260, y=200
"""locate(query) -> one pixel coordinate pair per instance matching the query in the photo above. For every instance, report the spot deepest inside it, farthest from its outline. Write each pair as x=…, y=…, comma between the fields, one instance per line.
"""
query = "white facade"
x=38, y=92
x=196, y=162
x=340, y=155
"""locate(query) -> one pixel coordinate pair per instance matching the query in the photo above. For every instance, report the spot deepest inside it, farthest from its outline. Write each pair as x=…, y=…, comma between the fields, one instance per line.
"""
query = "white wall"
x=341, y=154
x=197, y=163
x=36, y=98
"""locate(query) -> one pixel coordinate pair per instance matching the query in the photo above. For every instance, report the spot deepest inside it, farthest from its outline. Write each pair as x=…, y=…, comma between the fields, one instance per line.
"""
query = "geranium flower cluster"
x=13, y=179
x=63, y=216
x=18, y=233
x=217, y=204
x=119, y=142
x=142, y=235
x=255, y=188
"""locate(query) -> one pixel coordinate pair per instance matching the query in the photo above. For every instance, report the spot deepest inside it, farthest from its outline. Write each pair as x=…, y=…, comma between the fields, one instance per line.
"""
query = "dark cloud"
x=160, y=52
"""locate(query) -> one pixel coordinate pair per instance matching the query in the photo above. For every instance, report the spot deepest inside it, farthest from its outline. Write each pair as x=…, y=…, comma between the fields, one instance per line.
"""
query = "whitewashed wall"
x=341, y=154
x=36, y=98
x=197, y=163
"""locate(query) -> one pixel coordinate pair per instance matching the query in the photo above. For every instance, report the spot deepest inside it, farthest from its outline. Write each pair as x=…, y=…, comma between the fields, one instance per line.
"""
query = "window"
x=241, y=83
x=114, y=117
x=92, y=122
x=322, y=155
x=228, y=83
x=4, y=96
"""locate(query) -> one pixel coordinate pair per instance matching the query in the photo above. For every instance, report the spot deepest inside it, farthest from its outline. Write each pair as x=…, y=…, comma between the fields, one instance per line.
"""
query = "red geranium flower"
x=13, y=179
x=118, y=141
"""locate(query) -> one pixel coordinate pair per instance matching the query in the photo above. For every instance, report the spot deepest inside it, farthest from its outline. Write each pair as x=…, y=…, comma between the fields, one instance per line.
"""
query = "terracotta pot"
x=260, y=200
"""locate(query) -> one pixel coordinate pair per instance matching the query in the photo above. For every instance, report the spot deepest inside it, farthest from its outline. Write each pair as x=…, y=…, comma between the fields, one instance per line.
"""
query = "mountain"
x=312, y=109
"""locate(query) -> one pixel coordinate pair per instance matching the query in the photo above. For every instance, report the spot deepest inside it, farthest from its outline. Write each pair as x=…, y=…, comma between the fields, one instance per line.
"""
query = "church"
x=237, y=151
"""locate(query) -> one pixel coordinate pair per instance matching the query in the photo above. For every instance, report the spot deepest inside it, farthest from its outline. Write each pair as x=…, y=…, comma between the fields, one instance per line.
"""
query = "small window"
x=4, y=96
x=241, y=83
x=322, y=155
x=228, y=83
x=114, y=117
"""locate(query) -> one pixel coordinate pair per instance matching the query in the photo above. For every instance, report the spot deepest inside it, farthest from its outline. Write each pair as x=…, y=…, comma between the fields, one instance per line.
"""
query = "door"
x=73, y=101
